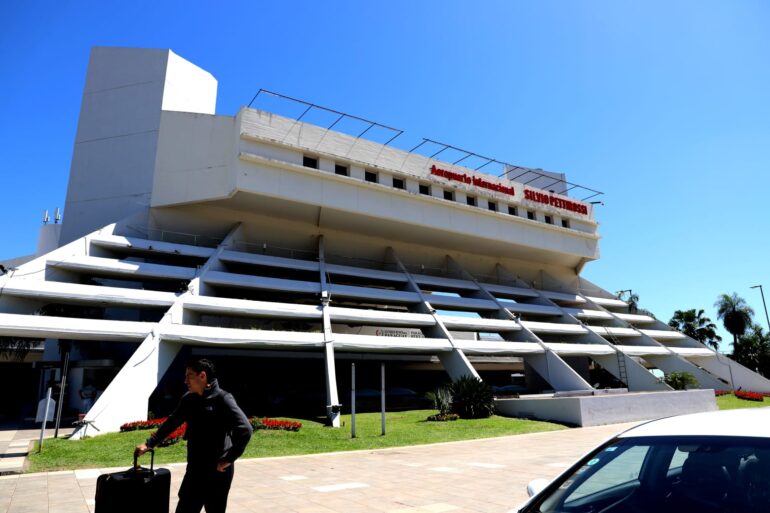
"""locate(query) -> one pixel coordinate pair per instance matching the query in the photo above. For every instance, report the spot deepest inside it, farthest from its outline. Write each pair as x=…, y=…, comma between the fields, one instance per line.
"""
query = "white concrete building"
x=290, y=248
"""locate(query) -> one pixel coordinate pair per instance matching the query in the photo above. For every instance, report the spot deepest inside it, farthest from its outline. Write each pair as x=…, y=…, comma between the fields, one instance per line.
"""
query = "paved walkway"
x=479, y=476
x=15, y=444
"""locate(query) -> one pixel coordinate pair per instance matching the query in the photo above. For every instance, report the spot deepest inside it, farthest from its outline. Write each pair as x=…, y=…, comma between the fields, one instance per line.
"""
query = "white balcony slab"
x=460, y=303
x=427, y=281
x=108, y=266
x=268, y=260
x=41, y=326
x=664, y=334
x=120, y=242
x=372, y=293
x=524, y=308
x=493, y=347
x=605, y=301
x=584, y=313
x=380, y=318
x=634, y=318
x=564, y=297
x=554, y=327
x=509, y=291
x=260, y=282
x=90, y=294
x=367, y=343
x=693, y=351
x=614, y=331
x=243, y=307
x=643, y=350
x=478, y=324
x=565, y=349
x=363, y=272
x=237, y=338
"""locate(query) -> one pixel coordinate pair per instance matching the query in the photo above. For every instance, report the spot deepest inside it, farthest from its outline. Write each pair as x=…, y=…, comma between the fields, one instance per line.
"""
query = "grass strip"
x=403, y=428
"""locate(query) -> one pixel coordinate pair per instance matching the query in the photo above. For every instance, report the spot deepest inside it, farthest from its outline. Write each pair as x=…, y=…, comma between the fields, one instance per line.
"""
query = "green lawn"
x=403, y=428
x=730, y=402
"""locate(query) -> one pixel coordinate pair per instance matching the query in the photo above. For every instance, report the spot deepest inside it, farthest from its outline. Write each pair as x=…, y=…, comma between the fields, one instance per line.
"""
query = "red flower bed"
x=749, y=396
x=718, y=393
x=142, y=424
x=174, y=437
x=265, y=423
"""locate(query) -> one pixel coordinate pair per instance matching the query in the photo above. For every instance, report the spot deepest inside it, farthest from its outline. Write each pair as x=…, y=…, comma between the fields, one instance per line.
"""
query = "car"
x=714, y=462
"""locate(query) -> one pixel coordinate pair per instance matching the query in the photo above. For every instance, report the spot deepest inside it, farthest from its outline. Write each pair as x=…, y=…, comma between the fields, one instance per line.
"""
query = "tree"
x=697, y=326
x=734, y=313
x=752, y=350
x=680, y=380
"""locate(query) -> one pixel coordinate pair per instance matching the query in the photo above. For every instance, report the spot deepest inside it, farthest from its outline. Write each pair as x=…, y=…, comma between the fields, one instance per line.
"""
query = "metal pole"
x=61, y=393
x=761, y=291
x=382, y=395
x=353, y=400
x=45, y=419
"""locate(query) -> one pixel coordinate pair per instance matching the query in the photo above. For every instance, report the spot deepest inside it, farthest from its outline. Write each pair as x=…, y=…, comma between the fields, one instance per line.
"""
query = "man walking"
x=217, y=434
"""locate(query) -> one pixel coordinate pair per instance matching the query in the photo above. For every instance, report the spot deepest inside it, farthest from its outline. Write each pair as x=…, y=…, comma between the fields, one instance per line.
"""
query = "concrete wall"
x=113, y=161
x=596, y=410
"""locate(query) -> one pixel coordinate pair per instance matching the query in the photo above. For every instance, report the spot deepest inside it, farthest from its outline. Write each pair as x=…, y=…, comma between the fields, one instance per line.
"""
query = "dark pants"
x=204, y=488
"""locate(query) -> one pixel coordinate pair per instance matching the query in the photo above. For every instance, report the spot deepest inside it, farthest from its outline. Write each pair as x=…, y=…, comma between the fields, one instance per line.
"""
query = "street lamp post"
x=763, y=304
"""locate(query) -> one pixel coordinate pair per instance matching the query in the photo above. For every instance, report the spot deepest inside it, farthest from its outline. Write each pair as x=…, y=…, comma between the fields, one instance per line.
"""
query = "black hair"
x=202, y=365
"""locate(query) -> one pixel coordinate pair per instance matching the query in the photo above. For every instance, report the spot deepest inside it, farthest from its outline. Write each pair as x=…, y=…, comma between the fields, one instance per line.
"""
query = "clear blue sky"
x=662, y=105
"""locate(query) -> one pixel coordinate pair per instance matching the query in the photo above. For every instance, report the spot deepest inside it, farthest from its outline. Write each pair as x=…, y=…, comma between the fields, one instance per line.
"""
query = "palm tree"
x=734, y=313
x=697, y=326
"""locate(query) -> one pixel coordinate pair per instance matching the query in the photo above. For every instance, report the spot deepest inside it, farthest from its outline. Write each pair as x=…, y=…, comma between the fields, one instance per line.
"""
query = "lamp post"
x=763, y=303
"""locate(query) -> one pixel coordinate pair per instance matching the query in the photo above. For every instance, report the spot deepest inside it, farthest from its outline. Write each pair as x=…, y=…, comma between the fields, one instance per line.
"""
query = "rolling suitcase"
x=133, y=490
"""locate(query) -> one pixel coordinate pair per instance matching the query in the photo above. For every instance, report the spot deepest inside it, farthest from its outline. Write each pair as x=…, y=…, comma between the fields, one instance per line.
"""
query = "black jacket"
x=217, y=429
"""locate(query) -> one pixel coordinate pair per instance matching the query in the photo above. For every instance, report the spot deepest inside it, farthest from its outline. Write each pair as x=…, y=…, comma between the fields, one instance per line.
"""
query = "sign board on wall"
x=522, y=195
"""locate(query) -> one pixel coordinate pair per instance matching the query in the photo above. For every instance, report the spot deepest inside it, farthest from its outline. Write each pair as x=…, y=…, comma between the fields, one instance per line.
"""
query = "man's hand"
x=141, y=449
x=222, y=466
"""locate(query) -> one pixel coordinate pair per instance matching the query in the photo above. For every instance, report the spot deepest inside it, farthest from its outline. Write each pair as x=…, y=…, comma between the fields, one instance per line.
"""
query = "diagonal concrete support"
x=455, y=362
x=332, y=398
x=126, y=398
x=548, y=365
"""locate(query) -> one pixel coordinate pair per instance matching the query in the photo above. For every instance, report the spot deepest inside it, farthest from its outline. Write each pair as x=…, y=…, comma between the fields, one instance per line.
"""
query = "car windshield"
x=666, y=475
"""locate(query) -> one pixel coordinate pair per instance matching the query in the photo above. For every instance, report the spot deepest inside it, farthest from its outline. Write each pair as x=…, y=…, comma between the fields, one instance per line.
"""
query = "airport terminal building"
x=287, y=250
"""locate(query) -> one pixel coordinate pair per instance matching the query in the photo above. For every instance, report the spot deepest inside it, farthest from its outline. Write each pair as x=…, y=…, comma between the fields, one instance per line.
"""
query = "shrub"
x=472, y=398
x=442, y=400
x=680, y=380
x=442, y=417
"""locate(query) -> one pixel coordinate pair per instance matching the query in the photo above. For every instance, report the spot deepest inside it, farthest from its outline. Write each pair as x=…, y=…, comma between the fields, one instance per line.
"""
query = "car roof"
x=753, y=422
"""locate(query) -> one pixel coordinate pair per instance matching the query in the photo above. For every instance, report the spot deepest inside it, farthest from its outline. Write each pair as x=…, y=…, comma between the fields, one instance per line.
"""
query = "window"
x=530, y=215
x=565, y=223
x=471, y=200
x=425, y=189
x=370, y=177
x=449, y=195
x=491, y=205
x=549, y=219
x=310, y=162
x=512, y=211
x=341, y=170
x=398, y=183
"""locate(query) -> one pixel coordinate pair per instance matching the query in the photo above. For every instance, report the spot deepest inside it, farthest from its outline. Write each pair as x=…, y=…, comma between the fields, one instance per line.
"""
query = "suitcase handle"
x=152, y=458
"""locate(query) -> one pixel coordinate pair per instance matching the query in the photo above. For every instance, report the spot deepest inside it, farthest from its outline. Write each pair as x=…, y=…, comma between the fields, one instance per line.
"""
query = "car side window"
x=677, y=460
x=624, y=469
